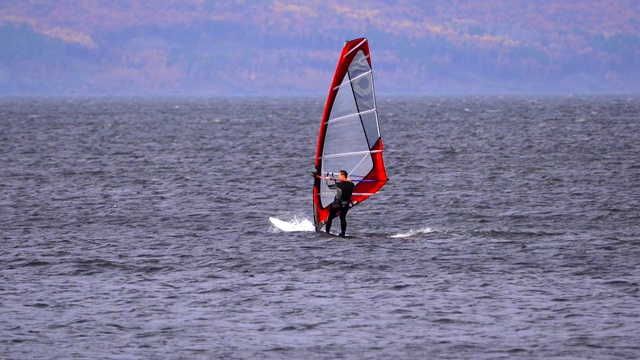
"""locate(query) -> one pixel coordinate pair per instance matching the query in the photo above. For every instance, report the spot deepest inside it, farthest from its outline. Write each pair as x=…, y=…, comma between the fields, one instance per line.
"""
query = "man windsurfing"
x=341, y=203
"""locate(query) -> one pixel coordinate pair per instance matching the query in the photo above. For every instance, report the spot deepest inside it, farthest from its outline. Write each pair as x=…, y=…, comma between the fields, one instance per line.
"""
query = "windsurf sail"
x=349, y=137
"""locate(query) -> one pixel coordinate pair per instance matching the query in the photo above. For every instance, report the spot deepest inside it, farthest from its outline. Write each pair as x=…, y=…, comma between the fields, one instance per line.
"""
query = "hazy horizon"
x=290, y=48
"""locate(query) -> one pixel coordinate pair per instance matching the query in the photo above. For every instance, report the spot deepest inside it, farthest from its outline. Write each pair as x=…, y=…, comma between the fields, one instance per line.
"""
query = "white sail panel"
x=346, y=146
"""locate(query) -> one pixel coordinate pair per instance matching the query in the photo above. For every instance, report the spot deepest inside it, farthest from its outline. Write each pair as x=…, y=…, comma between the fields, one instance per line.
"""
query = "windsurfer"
x=342, y=202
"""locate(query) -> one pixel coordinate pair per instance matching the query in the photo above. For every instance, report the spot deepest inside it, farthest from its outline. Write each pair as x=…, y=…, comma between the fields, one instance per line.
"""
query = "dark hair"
x=344, y=173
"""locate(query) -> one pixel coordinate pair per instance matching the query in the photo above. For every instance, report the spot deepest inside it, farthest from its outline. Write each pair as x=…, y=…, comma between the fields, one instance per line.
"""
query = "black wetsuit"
x=341, y=204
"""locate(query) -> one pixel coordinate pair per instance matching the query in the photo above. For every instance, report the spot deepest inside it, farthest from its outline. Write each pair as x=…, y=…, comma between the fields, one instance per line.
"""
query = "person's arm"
x=338, y=193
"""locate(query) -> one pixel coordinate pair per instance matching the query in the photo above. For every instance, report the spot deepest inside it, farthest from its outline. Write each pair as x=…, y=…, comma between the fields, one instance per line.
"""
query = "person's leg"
x=343, y=221
x=332, y=214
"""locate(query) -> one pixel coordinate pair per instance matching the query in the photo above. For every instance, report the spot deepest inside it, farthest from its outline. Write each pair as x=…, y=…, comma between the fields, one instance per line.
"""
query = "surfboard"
x=338, y=236
x=349, y=138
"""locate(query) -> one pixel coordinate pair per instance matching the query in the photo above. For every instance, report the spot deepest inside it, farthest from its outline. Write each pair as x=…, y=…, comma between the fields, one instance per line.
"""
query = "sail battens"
x=346, y=117
x=332, y=156
x=350, y=81
x=355, y=47
x=353, y=194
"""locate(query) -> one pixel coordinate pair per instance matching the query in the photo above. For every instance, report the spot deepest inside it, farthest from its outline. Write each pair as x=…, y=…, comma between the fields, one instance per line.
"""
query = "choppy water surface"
x=137, y=228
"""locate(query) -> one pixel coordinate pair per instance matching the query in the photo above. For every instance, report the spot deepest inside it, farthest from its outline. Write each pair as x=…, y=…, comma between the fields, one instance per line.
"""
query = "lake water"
x=138, y=228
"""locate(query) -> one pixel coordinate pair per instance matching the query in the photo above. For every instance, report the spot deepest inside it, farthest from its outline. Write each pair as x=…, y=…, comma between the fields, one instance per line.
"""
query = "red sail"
x=349, y=137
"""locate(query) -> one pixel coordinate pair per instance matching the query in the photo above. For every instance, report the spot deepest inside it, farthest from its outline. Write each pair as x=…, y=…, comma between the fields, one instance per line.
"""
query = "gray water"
x=138, y=228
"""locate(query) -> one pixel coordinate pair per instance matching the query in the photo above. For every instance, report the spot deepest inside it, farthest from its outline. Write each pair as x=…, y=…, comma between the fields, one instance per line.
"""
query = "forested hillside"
x=290, y=47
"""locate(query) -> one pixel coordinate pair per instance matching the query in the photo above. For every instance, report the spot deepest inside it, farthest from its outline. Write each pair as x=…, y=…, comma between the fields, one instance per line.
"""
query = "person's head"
x=342, y=175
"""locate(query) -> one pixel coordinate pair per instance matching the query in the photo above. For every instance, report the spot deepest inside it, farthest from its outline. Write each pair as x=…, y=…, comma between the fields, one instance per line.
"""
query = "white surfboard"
x=304, y=225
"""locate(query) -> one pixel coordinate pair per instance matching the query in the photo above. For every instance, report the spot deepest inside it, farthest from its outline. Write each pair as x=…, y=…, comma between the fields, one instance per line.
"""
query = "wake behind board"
x=304, y=225
x=292, y=226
